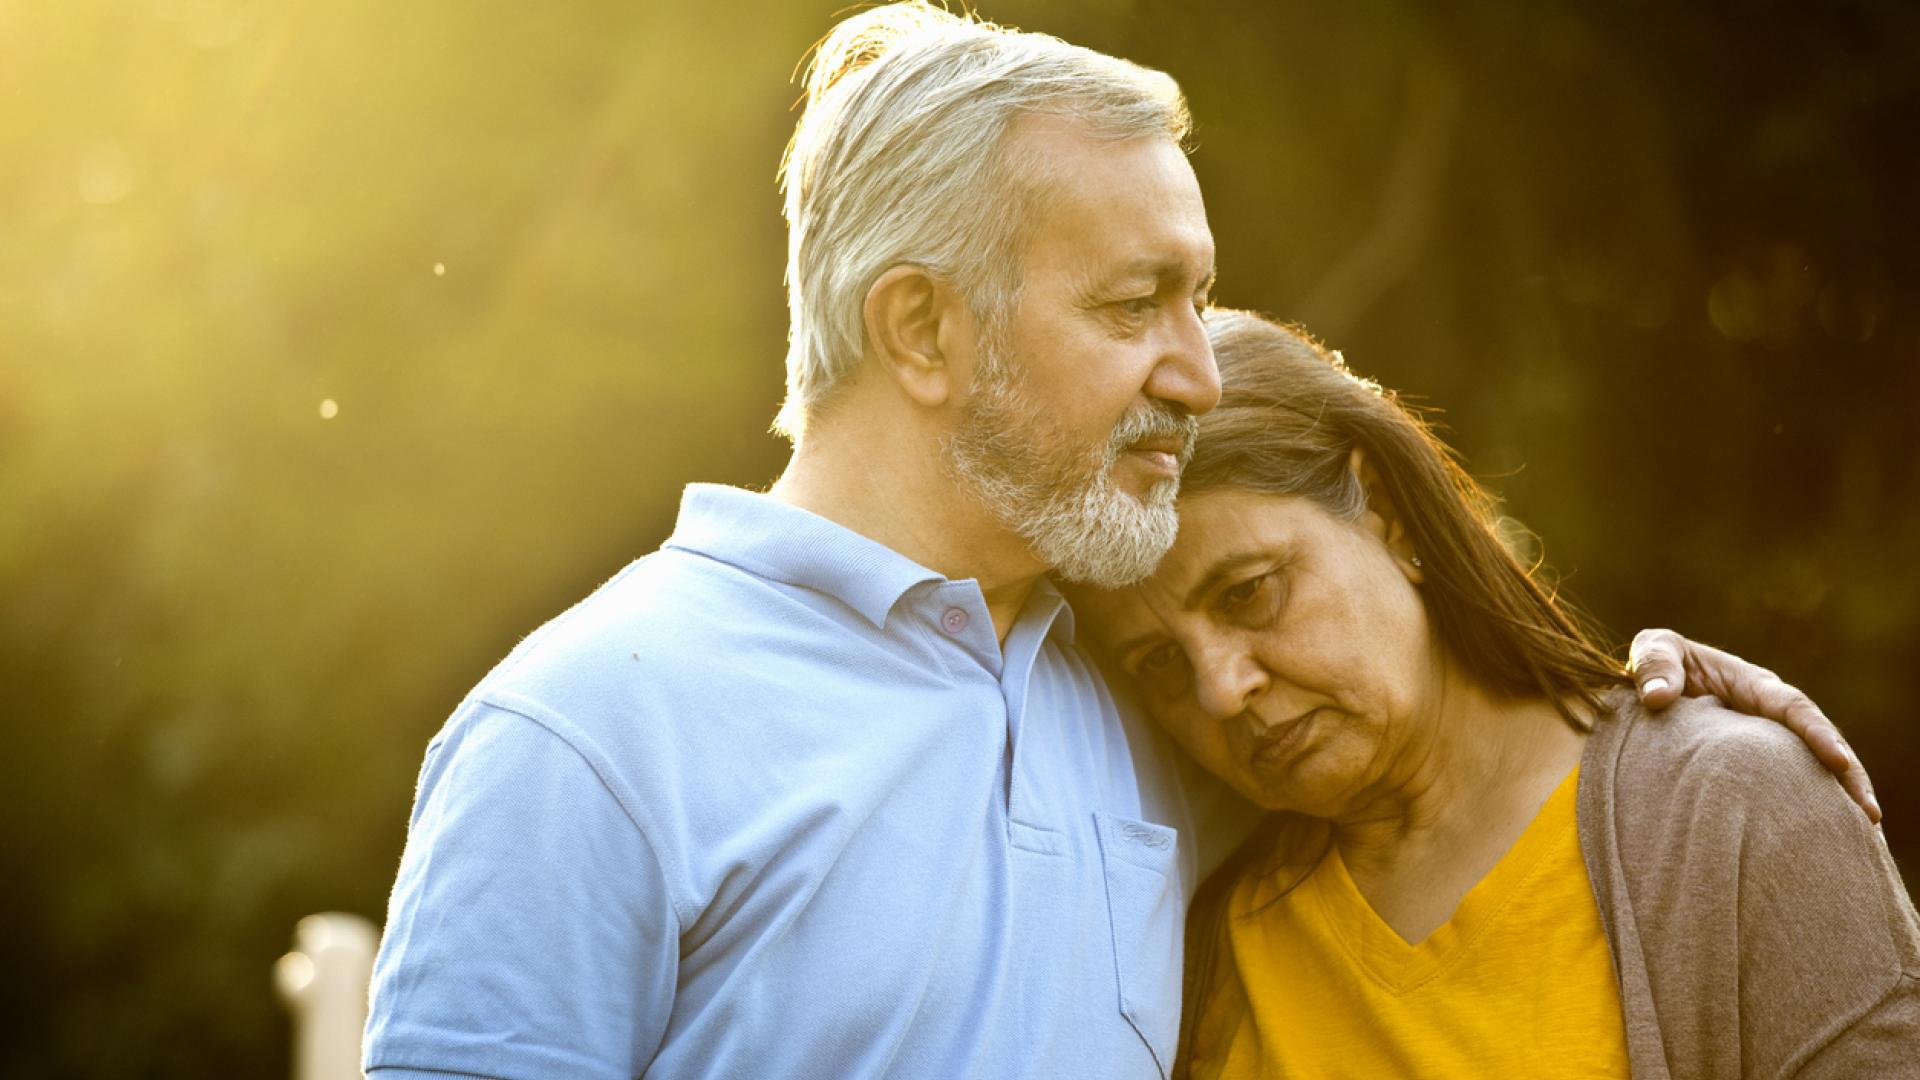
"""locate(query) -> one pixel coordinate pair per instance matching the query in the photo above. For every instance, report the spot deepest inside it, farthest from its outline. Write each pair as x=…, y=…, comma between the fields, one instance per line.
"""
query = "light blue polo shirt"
x=774, y=802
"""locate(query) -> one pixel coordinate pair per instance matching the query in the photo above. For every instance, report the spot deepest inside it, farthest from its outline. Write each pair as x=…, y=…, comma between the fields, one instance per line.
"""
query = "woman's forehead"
x=1221, y=527
x=1221, y=533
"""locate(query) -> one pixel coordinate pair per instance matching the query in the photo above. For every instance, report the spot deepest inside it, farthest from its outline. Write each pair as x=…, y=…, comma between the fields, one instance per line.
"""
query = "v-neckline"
x=1390, y=959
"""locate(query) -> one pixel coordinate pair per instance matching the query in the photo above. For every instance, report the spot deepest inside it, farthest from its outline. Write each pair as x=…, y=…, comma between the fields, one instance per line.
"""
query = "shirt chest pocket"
x=1139, y=861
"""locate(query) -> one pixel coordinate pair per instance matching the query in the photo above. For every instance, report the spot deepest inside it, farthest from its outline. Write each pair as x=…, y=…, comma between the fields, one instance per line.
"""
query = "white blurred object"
x=323, y=983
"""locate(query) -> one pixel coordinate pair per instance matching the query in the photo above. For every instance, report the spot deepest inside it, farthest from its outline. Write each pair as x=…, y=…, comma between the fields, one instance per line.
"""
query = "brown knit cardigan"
x=1758, y=925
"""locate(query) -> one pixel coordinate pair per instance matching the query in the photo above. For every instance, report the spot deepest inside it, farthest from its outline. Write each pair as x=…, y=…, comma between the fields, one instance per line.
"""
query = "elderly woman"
x=1486, y=859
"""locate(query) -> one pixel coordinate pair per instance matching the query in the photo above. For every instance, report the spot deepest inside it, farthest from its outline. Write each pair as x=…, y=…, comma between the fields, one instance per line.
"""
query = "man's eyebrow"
x=1160, y=269
x=1224, y=568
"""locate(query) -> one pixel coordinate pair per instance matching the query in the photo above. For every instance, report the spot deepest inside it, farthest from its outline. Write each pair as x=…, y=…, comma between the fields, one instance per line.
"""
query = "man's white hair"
x=901, y=156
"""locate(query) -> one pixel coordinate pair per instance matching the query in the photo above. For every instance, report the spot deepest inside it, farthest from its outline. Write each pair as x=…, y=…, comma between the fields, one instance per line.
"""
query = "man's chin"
x=1155, y=498
x=1107, y=574
x=1113, y=550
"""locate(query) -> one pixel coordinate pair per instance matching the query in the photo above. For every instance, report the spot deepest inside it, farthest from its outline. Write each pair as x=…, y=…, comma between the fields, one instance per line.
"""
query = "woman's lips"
x=1273, y=747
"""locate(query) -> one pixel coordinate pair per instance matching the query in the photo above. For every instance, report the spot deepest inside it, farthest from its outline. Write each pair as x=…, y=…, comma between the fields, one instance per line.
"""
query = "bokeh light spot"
x=1848, y=315
x=1734, y=307
x=329, y=408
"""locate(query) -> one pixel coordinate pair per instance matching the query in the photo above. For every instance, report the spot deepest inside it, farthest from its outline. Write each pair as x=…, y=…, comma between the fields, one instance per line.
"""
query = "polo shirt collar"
x=1049, y=602
x=781, y=542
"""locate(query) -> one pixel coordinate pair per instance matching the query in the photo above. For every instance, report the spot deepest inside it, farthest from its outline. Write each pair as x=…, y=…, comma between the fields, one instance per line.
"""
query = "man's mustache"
x=1154, y=420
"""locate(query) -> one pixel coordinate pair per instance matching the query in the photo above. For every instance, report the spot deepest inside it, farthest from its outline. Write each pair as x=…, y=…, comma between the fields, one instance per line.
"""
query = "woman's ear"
x=915, y=322
x=1382, y=517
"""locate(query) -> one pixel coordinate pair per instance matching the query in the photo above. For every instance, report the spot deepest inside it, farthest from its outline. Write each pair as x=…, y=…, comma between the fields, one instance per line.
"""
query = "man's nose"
x=1185, y=373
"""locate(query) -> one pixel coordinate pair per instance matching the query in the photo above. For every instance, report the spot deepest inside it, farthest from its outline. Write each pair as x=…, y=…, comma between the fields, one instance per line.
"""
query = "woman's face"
x=1285, y=649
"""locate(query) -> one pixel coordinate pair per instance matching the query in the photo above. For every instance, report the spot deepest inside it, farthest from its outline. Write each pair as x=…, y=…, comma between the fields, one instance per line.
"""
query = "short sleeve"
x=531, y=931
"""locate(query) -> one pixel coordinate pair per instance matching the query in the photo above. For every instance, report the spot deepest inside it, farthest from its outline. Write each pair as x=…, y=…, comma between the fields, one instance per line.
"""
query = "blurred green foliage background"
x=341, y=344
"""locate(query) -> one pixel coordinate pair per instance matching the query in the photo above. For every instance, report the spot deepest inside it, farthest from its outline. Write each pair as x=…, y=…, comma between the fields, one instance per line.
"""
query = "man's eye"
x=1137, y=306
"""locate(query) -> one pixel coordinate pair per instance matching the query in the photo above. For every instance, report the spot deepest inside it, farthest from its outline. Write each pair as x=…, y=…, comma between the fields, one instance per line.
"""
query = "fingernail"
x=1653, y=685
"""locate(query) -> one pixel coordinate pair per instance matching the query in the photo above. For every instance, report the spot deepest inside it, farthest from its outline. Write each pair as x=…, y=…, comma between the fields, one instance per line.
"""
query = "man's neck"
x=890, y=488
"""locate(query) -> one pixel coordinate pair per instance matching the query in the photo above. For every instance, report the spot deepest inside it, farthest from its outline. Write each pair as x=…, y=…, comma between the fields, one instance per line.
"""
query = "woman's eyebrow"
x=1125, y=648
x=1221, y=569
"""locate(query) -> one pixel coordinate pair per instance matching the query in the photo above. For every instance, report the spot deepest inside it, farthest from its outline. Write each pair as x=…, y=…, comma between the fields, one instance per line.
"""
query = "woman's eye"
x=1137, y=306
x=1162, y=669
x=1251, y=600
x=1244, y=592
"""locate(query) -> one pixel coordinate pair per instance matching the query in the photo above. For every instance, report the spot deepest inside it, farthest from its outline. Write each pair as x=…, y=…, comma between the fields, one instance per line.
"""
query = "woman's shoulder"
x=1697, y=748
x=1725, y=857
x=1697, y=798
x=1279, y=853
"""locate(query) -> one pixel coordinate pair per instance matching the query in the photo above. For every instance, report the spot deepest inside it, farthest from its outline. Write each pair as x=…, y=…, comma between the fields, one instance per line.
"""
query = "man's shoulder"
x=679, y=635
x=663, y=611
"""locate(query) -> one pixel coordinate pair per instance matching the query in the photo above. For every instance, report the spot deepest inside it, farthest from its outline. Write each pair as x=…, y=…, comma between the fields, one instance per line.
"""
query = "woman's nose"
x=1227, y=682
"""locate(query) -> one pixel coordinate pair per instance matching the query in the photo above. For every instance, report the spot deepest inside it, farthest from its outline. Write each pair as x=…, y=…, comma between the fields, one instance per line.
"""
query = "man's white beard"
x=1059, y=498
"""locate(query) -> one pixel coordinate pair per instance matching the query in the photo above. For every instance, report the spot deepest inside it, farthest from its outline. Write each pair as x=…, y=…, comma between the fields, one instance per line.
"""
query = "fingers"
x=1695, y=669
x=1860, y=788
x=1831, y=748
x=1762, y=693
x=1654, y=660
x=1664, y=664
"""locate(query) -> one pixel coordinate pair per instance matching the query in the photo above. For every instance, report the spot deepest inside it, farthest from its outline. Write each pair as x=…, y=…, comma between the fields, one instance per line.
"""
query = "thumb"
x=1654, y=661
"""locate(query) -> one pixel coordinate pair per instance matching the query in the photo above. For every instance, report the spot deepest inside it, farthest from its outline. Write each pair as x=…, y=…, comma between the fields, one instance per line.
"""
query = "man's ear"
x=915, y=323
x=1382, y=517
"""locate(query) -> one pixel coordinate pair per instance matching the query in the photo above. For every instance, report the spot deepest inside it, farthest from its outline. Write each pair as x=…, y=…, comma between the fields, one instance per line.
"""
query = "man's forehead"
x=1070, y=169
x=1146, y=174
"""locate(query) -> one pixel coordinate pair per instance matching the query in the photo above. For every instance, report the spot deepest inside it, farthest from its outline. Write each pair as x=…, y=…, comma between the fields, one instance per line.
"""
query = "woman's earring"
x=1416, y=562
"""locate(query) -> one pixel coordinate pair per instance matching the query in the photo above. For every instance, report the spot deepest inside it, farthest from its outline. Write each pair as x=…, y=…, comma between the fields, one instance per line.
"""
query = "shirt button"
x=954, y=621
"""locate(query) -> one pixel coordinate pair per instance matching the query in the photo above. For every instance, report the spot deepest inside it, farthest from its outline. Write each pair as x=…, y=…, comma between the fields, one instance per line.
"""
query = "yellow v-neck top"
x=1310, y=982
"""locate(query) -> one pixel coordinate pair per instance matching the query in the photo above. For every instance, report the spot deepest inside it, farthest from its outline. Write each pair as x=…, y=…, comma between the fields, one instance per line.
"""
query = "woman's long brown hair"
x=1289, y=418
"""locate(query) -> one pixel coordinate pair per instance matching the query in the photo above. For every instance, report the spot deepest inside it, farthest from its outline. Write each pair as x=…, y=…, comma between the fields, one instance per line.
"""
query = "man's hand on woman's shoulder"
x=1666, y=665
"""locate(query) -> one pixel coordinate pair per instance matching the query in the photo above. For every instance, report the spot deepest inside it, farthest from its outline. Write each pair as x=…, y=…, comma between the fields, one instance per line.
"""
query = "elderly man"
x=826, y=787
